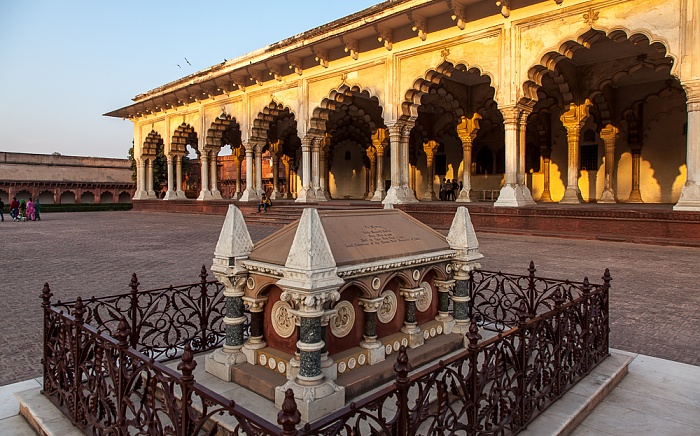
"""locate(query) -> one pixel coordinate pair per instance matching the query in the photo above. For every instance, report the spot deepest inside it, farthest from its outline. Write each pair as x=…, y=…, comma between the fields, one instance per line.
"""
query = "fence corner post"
x=134, y=285
x=289, y=416
x=401, y=369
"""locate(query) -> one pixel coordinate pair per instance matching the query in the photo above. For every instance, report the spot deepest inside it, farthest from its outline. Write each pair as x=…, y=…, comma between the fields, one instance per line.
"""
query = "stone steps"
x=561, y=418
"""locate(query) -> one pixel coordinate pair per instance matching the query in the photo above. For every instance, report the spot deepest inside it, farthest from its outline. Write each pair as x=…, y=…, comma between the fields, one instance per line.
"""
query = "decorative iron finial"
x=79, y=310
x=607, y=278
x=134, y=283
x=203, y=274
x=289, y=416
x=586, y=288
x=531, y=269
x=558, y=297
x=123, y=332
x=46, y=295
x=522, y=312
x=187, y=365
x=402, y=367
x=473, y=334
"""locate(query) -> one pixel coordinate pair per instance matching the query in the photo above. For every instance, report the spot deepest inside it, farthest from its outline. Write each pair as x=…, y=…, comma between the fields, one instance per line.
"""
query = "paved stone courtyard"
x=654, y=299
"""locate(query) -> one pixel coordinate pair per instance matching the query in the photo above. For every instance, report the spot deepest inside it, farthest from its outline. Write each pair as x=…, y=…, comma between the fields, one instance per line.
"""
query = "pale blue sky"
x=65, y=63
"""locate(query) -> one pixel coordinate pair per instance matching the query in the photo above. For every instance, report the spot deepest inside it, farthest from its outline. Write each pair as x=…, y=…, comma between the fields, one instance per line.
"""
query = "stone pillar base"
x=306, y=195
x=204, y=195
x=447, y=322
x=690, y=198
x=399, y=196
x=514, y=196
x=315, y=401
x=140, y=195
x=216, y=195
x=415, y=335
x=571, y=196
x=275, y=195
x=464, y=196
x=249, y=195
x=250, y=351
x=170, y=195
x=379, y=195
x=607, y=197
x=429, y=196
x=329, y=368
x=461, y=327
x=181, y=195
x=220, y=362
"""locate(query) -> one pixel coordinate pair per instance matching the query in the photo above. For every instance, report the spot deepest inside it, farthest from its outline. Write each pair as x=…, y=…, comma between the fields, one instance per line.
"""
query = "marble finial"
x=234, y=239
x=310, y=250
x=462, y=236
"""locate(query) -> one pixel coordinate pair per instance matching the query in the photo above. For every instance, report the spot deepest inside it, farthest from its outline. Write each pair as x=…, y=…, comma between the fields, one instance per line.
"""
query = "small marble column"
x=149, y=179
x=178, y=189
x=410, y=327
x=239, y=167
x=379, y=192
x=325, y=176
x=204, y=193
x=258, y=169
x=256, y=340
x=444, y=287
x=467, y=130
x=372, y=172
x=170, y=193
x=429, y=149
x=306, y=194
x=369, y=338
x=249, y=194
x=609, y=137
x=140, y=192
x=513, y=193
x=288, y=176
x=215, y=194
x=690, y=193
x=316, y=169
x=275, y=195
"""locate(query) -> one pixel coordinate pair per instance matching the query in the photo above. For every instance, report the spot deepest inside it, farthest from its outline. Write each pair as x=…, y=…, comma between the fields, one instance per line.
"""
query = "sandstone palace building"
x=564, y=101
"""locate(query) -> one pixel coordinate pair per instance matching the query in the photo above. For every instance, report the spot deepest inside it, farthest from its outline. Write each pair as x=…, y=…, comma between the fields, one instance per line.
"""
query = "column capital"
x=370, y=304
x=255, y=304
x=412, y=294
x=309, y=305
x=445, y=285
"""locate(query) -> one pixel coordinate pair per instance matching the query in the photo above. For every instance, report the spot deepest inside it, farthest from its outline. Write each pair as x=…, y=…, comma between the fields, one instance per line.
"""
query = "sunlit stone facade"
x=547, y=101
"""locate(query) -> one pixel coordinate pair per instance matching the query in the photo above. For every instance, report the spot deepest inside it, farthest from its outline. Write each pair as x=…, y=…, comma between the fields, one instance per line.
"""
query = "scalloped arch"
x=421, y=86
x=583, y=40
x=265, y=118
x=218, y=127
x=182, y=137
x=337, y=98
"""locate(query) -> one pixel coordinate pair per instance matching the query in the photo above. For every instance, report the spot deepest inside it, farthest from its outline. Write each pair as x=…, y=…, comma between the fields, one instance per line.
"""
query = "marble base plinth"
x=220, y=362
x=315, y=401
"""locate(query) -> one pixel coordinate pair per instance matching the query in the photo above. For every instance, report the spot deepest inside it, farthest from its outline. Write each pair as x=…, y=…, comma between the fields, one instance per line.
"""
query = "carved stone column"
x=170, y=193
x=399, y=192
x=316, y=170
x=546, y=152
x=690, y=194
x=178, y=190
x=149, y=179
x=256, y=340
x=410, y=327
x=306, y=194
x=288, y=176
x=467, y=130
x=444, y=287
x=239, y=166
x=372, y=176
x=609, y=137
x=234, y=245
x=258, y=170
x=215, y=194
x=573, y=119
x=429, y=148
x=378, y=141
x=275, y=177
x=369, y=340
x=141, y=190
x=250, y=194
x=635, y=194
x=513, y=193
x=325, y=175
x=204, y=193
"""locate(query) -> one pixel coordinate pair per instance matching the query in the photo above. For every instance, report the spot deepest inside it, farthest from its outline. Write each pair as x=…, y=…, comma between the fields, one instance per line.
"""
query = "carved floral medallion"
x=342, y=322
x=426, y=299
x=387, y=310
x=282, y=319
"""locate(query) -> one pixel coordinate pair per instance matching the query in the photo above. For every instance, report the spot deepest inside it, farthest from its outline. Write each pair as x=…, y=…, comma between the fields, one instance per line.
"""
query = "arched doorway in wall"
x=23, y=195
x=276, y=127
x=353, y=136
x=67, y=197
x=185, y=143
x=46, y=197
x=455, y=114
x=107, y=197
x=606, y=82
x=224, y=135
x=4, y=196
x=87, y=197
x=124, y=197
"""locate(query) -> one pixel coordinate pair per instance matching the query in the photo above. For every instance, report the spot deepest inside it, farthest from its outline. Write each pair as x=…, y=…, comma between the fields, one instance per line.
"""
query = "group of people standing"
x=22, y=210
x=449, y=189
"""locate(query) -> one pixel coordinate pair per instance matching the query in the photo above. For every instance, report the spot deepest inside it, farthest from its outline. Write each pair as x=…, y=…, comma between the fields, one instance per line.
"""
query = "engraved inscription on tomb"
x=379, y=235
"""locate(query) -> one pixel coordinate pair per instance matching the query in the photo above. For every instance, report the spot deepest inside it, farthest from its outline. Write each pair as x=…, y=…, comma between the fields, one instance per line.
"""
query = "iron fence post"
x=186, y=366
x=45, y=304
x=289, y=416
x=559, y=318
x=134, y=336
x=203, y=309
x=586, y=291
x=473, y=336
x=78, y=312
x=522, y=351
x=122, y=337
x=607, y=278
x=531, y=292
x=401, y=370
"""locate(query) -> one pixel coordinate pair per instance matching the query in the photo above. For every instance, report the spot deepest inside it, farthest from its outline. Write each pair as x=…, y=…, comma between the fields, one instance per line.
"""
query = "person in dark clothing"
x=2, y=209
x=14, y=209
x=264, y=203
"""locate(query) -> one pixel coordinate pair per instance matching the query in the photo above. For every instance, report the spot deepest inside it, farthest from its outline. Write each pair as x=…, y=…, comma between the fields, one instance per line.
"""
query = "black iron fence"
x=107, y=379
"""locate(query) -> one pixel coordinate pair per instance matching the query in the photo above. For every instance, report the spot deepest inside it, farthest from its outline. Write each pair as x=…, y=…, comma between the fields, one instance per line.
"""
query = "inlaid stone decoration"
x=319, y=273
x=387, y=310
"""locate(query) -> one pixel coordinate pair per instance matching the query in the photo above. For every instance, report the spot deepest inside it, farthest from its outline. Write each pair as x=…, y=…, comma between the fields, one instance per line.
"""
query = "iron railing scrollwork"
x=109, y=379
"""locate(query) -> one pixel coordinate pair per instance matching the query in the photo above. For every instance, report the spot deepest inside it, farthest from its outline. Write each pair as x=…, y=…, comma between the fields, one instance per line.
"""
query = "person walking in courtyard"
x=14, y=209
x=22, y=210
x=30, y=210
x=37, y=210
x=2, y=209
x=264, y=203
